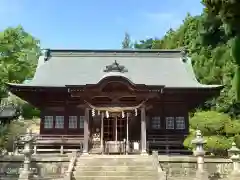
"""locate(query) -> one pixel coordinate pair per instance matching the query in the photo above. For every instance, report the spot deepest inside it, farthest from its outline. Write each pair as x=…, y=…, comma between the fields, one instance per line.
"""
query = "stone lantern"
x=27, y=140
x=235, y=157
x=199, y=153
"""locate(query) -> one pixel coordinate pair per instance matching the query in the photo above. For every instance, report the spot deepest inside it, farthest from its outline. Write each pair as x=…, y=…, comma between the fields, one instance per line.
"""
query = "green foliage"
x=236, y=56
x=232, y=127
x=227, y=14
x=3, y=136
x=19, y=52
x=218, y=144
x=28, y=111
x=144, y=44
x=218, y=130
x=209, y=122
x=210, y=50
x=209, y=39
x=127, y=43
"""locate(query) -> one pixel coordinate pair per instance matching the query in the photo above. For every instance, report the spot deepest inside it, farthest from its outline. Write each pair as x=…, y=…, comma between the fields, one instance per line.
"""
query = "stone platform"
x=115, y=167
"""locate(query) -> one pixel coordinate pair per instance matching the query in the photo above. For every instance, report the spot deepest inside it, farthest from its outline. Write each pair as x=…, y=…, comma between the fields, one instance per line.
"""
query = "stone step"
x=115, y=178
x=113, y=164
x=109, y=167
x=119, y=159
x=115, y=173
x=95, y=156
x=114, y=168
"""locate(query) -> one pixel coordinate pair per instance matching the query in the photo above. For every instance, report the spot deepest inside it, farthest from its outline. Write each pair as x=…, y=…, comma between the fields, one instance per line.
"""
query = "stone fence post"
x=26, y=173
x=235, y=157
x=199, y=152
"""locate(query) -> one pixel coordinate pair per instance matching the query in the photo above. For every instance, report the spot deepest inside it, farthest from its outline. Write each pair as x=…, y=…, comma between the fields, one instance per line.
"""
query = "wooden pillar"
x=143, y=131
x=127, y=138
x=102, y=116
x=86, y=122
x=116, y=132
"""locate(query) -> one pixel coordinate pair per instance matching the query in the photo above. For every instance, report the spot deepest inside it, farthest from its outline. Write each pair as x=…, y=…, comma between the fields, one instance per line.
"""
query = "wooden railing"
x=53, y=143
x=166, y=143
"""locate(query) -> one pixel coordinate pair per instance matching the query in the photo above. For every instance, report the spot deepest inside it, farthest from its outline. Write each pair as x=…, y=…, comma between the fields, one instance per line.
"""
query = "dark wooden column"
x=143, y=131
x=86, y=122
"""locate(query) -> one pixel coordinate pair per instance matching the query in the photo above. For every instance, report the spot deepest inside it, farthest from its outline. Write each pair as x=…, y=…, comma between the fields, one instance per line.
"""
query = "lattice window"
x=59, y=122
x=180, y=123
x=81, y=122
x=72, y=122
x=156, y=122
x=169, y=122
x=48, y=122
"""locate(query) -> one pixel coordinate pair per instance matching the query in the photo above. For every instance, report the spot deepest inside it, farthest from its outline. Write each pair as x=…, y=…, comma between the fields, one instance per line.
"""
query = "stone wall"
x=177, y=167
x=44, y=166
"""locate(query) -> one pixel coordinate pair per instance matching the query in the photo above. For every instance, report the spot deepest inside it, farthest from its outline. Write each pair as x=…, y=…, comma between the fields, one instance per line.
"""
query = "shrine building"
x=110, y=97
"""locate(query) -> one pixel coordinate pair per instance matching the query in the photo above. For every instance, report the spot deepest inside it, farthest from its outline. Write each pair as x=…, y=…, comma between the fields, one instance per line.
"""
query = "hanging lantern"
x=136, y=113
x=93, y=112
x=123, y=114
x=107, y=114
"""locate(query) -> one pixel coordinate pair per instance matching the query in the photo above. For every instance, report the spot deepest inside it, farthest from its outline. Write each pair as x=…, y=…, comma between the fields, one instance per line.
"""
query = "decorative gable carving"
x=115, y=67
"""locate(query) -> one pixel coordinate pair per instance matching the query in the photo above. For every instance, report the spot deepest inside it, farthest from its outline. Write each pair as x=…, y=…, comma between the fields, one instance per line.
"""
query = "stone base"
x=25, y=175
x=201, y=175
x=144, y=153
x=85, y=154
x=234, y=176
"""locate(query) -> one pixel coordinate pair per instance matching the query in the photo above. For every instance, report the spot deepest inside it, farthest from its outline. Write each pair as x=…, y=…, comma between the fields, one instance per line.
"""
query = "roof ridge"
x=115, y=50
x=162, y=54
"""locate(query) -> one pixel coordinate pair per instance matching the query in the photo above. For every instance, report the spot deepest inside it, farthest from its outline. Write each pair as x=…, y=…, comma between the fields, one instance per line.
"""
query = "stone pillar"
x=86, y=130
x=199, y=152
x=234, y=156
x=26, y=173
x=143, y=131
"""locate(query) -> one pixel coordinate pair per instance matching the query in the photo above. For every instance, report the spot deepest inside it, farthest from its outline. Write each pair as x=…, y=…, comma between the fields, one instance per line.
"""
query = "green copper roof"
x=150, y=67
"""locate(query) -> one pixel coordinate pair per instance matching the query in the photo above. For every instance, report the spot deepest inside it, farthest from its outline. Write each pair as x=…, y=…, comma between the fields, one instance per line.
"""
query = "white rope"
x=116, y=108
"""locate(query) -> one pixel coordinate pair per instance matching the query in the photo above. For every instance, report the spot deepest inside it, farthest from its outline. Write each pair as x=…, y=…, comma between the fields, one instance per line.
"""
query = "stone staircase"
x=115, y=167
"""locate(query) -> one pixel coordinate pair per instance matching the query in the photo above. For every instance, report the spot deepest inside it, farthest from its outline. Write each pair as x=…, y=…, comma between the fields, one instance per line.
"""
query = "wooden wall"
x=168, y=109
x=61, y=111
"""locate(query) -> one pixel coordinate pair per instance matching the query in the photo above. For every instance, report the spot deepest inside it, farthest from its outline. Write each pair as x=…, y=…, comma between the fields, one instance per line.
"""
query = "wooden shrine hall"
x=115, y=101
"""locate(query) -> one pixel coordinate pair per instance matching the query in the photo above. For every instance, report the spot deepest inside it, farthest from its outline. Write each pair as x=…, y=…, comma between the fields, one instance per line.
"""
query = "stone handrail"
x=156, y=165
x=69, y=172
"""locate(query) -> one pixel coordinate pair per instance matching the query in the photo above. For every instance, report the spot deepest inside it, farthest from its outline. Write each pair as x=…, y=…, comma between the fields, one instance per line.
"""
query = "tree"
x=218, y=130
x=144, y=44
x=228, y=12
x=126, y=43
x=209, y=49
x=19, y=52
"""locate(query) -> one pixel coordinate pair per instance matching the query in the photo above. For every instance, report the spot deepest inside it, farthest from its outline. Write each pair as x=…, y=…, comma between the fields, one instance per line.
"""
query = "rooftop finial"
x=46, y=54
x=115, y=67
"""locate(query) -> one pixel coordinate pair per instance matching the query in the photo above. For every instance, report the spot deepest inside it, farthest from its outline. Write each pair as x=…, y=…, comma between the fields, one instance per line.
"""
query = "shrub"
x=209, y=122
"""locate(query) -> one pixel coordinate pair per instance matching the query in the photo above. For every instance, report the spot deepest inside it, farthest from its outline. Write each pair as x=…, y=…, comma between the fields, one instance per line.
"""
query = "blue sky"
x=94, y=24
